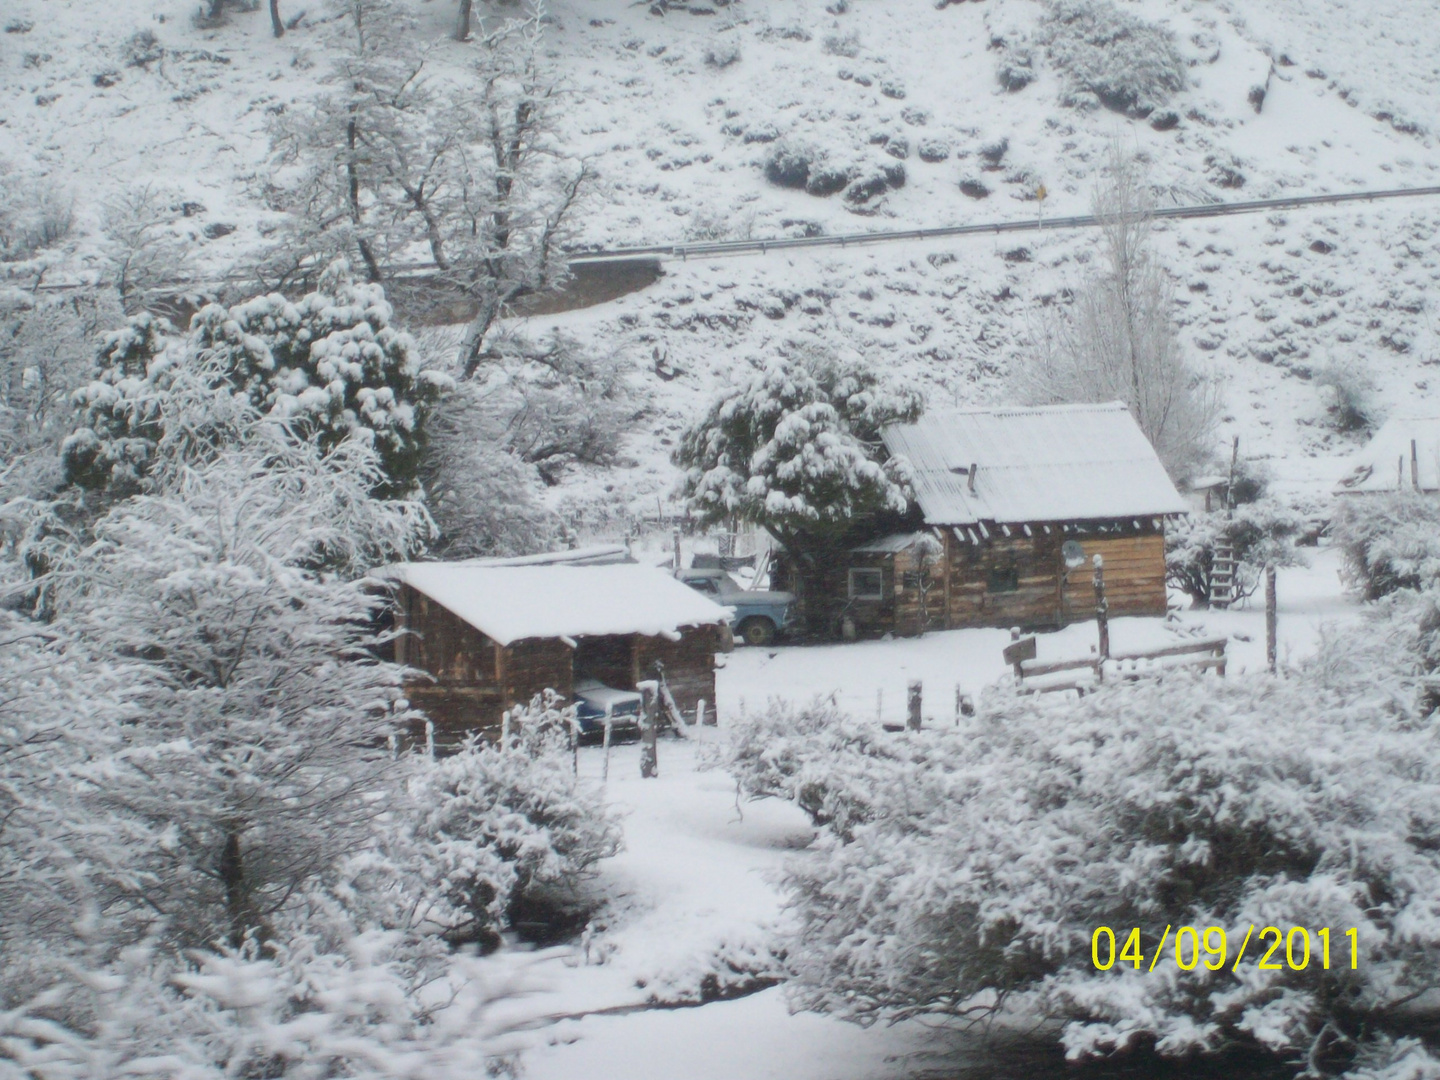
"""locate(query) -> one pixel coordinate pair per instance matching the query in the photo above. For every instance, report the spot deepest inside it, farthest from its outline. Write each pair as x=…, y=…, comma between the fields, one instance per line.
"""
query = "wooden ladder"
x=1222, y=577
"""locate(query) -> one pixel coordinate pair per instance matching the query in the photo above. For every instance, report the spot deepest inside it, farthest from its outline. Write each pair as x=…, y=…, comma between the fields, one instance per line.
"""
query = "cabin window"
x=867, y=584
x=1003, y=579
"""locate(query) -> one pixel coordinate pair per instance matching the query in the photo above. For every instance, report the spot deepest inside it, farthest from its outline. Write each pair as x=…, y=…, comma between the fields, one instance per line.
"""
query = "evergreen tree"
x=796, y=449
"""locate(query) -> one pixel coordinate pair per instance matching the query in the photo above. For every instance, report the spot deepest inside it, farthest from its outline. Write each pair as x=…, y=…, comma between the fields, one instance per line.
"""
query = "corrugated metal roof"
x=1048, y=463
x=1384, y=463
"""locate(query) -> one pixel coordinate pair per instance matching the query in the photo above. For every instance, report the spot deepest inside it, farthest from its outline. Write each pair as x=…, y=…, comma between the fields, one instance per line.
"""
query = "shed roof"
x=1047, y=463
x=890, y=545
x=510, y=603
x=1384, y=462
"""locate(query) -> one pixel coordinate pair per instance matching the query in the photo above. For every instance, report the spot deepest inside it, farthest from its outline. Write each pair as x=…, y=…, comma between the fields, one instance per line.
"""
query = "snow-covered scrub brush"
x=480, y=837
x=991, y=853
x=1391, y=541
x=1107, y=55
x=293, y=1011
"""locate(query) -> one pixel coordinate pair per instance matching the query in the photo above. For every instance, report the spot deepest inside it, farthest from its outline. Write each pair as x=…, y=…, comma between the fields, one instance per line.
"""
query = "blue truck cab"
x=757, y=616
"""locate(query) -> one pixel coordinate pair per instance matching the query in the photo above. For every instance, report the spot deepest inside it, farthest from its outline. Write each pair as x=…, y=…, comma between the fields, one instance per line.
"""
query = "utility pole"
x=1271, y=617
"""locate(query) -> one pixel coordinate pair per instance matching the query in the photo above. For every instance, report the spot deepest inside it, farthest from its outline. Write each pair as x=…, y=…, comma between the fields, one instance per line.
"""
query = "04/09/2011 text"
x=1210, y=947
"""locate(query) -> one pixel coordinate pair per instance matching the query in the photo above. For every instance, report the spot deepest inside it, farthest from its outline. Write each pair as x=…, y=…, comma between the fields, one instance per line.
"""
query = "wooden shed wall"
x=1134, y=579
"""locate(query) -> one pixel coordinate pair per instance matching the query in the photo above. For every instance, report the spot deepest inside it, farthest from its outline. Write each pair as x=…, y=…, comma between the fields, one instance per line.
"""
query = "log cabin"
x=1000, y=491
x=491, y=636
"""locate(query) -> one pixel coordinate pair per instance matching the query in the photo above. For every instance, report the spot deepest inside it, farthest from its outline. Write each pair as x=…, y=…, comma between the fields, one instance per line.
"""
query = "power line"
x=723, y=248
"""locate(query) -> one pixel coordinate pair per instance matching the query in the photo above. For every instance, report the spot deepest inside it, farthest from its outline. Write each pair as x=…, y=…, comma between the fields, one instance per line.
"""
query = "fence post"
x=913, y=721
x=1102, y=609
x=1270, y=617
x=649, y=754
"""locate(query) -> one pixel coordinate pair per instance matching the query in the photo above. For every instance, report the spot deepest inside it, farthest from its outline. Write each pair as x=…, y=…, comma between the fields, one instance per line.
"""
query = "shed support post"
x=913, y=719
x=947, y=539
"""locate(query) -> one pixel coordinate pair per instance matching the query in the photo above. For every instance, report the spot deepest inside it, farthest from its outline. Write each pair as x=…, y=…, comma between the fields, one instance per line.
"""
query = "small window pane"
x=1003, y=579
x=867, y=585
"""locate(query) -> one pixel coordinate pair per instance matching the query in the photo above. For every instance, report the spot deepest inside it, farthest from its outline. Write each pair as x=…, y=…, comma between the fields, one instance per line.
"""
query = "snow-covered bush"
x=1258, y=533
x=814, y=756
x=330, y=365
x=1391, y=541
x=489, y=836
x=1352, y=395
x=34, y=214
x=991, y=857
x=1109, y=55
x=721, y=54
x=297, y=1011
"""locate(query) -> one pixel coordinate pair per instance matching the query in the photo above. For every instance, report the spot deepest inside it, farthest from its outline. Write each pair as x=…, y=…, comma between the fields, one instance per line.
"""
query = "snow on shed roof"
x=1384, y=462
x=509, y=603
x=1049, y=463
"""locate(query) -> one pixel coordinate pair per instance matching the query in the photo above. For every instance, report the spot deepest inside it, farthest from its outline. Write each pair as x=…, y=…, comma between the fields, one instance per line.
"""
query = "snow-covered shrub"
x=329, y=365
x=481, y=839
x=847, y=45
x=1260, y=534
x=721, y=54
x=814, y=756
x=1352, y=392
x=992, y=856
x=1109, y=55
x=296, y=1011
x=558, y=402
x=34, y=214
x=1391, y=541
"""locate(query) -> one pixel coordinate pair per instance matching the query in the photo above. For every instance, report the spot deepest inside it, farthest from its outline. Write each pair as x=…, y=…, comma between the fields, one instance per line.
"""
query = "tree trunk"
x=275, y=23
x=352, y=173
x=1270, y=619
x=649, y=754
x=462, y=24
x=237, y=898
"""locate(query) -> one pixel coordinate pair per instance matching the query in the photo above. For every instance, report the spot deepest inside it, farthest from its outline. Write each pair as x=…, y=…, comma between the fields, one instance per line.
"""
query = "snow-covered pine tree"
x=796, y=449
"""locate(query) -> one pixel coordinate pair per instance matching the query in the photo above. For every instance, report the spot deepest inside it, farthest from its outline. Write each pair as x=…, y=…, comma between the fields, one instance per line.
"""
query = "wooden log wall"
x=1134, y=578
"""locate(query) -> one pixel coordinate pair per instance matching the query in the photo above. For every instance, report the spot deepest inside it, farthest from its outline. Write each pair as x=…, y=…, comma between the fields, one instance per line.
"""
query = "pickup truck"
x=758, y=615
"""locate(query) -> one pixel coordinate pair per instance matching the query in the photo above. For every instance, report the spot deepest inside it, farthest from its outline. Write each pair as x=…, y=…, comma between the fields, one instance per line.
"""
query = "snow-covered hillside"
x=679, y=113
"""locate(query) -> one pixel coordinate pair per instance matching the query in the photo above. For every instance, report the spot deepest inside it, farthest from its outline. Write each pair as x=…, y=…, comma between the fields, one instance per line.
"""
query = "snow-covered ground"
x=696, y=880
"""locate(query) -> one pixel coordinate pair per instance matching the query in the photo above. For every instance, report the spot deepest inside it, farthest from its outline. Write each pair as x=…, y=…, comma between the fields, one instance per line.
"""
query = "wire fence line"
x=683, y=250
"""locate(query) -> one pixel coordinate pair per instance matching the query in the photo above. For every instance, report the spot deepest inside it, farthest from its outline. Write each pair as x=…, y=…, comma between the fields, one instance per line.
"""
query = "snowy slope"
x=678, y=144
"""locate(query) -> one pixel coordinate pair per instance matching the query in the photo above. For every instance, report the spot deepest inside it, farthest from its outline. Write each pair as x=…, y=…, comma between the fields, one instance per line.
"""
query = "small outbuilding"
x=492, y=635
x=1404, y=455
x=1000, y=492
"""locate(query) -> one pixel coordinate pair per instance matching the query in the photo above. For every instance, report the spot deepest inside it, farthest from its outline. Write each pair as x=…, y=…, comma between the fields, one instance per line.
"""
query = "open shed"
x=1002, y=490
x=492, y=636
x=1404, y=455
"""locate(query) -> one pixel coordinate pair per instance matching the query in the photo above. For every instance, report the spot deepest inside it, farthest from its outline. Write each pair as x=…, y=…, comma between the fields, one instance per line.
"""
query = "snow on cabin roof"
x=1049, y=463
x=1384, y=462
x=596, y=555
x=509, y=603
